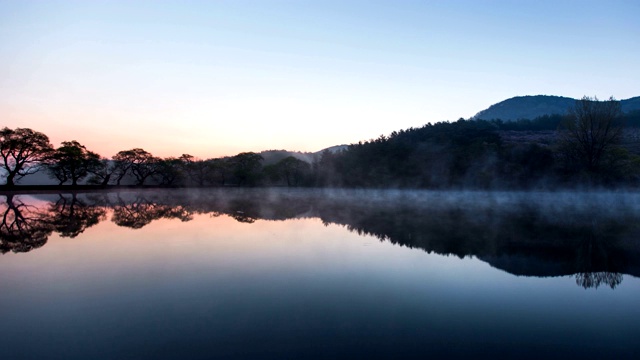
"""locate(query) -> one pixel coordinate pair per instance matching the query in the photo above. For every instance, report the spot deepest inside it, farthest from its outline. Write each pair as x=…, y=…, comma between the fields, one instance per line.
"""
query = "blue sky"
x=214, y=78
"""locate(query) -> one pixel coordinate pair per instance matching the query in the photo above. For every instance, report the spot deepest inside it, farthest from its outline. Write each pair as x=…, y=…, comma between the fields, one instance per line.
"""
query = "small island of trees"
x=584, y=148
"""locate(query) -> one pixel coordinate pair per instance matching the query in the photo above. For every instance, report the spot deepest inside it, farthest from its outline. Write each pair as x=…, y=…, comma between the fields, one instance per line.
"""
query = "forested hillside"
x=596, y=145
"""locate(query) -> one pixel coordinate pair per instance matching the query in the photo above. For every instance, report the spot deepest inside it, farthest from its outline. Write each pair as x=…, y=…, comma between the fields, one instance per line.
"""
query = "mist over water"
x=273, y=273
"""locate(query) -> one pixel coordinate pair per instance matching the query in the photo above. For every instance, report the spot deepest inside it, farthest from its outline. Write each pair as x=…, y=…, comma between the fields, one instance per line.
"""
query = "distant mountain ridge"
x=531, y=107
x=273, y=156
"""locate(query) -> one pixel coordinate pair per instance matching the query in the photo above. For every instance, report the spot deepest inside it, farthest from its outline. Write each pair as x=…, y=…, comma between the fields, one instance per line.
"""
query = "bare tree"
x=593, y=128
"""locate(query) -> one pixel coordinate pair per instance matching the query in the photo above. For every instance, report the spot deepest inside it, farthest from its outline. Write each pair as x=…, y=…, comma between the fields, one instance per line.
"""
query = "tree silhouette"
x=186, y=162
x=22, y=151
x=72, y=161
x=592, y=129
x=324, y=169
x=170, y=171
x=121, y=166
x=294, y=170
x=290, y=169
x=246, y=168
x=140, y=163
x=220, y=171
x=199, y=171
x=102, y=172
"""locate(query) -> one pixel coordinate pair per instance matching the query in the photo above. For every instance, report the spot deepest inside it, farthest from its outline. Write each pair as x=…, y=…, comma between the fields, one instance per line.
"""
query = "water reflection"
x=70, y=216
x=592, y=237
x=24, y=227
x=595, y=279
x=140, y=211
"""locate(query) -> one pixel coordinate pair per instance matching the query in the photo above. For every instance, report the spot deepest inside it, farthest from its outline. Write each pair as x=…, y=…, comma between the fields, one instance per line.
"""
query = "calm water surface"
x=319, y=274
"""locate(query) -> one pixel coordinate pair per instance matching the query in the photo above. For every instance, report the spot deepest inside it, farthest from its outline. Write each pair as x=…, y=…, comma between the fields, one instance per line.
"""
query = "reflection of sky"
x=216, y=78
x=216, y=286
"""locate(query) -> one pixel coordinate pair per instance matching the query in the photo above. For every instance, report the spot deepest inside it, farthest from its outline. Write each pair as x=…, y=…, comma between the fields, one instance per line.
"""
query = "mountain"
x=273, y=156
x=531, y=107
x=333, y=149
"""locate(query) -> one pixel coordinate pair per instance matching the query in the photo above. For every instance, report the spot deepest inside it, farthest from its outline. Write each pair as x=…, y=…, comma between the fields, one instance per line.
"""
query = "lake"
x=281, y=273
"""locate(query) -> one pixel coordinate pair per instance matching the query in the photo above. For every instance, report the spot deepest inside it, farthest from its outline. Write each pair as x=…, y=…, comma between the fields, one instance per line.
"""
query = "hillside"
x=273, y=156
x=531, y=107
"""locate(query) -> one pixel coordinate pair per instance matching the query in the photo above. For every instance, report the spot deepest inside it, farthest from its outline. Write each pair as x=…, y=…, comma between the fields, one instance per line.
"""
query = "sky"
x=215, y=78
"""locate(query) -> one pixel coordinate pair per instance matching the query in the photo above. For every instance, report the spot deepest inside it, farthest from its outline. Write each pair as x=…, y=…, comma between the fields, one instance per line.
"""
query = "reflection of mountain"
x=539, y=235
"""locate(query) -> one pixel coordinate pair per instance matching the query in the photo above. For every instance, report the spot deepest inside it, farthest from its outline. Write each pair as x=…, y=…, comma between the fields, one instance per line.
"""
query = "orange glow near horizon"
x=106, y=137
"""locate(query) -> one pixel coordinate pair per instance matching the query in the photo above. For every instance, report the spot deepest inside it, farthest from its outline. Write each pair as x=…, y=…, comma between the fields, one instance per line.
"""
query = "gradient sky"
x=214, y=78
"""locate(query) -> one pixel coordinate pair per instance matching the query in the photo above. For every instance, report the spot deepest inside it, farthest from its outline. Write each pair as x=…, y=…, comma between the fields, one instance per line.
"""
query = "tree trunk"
x=10, y=178
x=120, y=178
x=105, y=181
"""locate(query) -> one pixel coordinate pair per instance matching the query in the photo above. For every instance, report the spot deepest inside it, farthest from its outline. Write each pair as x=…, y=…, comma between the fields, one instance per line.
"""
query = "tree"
x=246, y=167
x=103, y=172
x=200, y=171
x=291, y=169
x=170, y=171
x=22, y=151
x=324, y=169
x=186, y=160
x=592, y=130
x=121, y=166
x=72, y=161
x=220, y=170
x=139, y=162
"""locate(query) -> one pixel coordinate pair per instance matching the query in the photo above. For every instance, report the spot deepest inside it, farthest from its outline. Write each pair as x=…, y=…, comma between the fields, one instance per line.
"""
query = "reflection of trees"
x=240, y=216
x=521, y=238
x=595, y=279
x=23, y=226
x=243, y=210
x=141, y=211
x=70, y=217
x=596, y=261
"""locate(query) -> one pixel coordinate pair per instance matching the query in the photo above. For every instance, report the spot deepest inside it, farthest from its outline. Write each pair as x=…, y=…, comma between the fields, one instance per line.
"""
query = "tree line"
x=25, y=151
x=585, y=150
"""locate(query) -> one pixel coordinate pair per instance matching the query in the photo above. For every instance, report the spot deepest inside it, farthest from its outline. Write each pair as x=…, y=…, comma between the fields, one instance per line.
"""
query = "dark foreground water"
x=317, y=274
